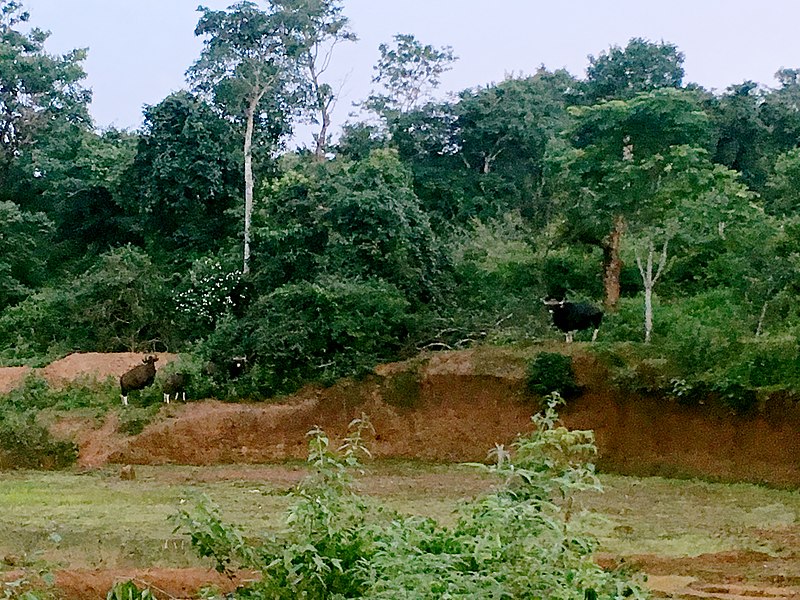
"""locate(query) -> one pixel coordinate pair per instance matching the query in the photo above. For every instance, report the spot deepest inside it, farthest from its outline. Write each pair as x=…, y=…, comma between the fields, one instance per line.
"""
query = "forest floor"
x=740, y=541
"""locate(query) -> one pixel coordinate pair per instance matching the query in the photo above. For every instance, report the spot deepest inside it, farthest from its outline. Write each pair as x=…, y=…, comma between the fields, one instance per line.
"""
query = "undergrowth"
x=517, y=542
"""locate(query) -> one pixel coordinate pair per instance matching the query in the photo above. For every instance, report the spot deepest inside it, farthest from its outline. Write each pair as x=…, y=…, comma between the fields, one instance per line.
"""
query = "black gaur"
x=229, y=368
x=570, y=317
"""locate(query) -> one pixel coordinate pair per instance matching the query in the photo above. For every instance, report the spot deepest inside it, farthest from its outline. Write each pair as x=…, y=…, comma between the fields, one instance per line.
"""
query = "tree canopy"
x=433, y=221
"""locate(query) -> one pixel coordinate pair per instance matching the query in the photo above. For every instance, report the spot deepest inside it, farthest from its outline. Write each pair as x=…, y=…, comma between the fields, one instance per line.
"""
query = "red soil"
x=454, y=407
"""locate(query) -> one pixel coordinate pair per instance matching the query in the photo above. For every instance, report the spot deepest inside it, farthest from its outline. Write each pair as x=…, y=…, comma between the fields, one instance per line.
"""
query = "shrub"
x=118, y=304
x=134, y=419
x=552, y=372
x=36, y=393
x=211, y=290
x=24, y=444
x=516, y=542
x=317, y=331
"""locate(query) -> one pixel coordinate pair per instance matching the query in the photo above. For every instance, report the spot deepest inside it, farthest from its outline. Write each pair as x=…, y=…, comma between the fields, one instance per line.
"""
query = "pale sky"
x=139, y=50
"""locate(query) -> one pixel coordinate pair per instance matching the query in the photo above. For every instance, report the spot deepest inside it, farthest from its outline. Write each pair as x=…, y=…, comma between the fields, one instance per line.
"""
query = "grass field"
x=95, y=518
x=73, y=520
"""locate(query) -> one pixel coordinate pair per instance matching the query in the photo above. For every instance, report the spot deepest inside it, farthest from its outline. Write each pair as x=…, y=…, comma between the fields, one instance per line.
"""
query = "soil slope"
x=454, y=407
x=450, y=406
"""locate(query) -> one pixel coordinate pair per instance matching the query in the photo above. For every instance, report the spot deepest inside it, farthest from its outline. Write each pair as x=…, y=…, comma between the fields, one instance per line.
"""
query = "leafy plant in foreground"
x=127, y=590
x=517, y=542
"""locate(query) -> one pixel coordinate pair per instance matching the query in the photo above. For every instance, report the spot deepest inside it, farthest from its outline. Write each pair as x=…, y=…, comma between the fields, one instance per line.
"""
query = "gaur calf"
x=175, y=384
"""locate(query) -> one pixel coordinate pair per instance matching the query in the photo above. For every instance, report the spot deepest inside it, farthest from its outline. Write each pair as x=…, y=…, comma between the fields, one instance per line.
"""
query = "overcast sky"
x=139, y=50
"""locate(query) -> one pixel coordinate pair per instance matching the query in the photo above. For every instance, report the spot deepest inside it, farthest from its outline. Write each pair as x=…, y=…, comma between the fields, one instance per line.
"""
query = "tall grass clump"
x=517, y=542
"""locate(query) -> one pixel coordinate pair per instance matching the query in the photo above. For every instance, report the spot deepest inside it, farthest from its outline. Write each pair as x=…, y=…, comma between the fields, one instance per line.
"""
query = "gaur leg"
x=594, y=335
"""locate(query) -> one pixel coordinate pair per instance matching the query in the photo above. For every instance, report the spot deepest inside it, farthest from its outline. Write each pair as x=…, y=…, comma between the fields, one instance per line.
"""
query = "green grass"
x=672, y=517
x=94, y=519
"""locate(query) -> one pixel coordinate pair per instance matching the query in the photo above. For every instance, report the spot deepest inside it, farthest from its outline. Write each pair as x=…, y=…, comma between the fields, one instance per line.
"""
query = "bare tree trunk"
x=649, y=281
x=322, y=137
x=248, y=178
x=613, y=263
x=761, y=317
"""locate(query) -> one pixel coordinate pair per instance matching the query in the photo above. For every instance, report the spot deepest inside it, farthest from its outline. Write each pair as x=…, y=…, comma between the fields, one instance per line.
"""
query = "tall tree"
x=347, y=220
x=244, y=66
x=186, y=175
x=40, y=97
x=314, y=28
x=82, y=189
x=684, y=200
x=408, y=72
x=23, y=239
x=642, y=66
x=742, y=136
x=502, y=134
x=609, y=140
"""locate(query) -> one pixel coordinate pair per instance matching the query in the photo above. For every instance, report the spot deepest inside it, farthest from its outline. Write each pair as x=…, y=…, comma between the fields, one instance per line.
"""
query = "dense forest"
x=427, y=224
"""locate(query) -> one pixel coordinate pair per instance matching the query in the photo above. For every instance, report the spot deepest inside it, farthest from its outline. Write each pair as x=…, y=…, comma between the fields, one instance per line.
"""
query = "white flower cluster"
x=210, y=294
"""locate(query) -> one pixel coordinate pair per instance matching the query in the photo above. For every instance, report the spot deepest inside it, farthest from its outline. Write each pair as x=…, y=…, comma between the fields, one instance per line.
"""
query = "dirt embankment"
x=78, y=366
x=454, y=407
x=451, y=406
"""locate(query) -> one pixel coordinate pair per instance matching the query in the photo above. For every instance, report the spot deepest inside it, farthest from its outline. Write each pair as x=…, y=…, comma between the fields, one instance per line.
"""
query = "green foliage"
x=516, y=542
x=349, y=219
x=782, y=192
x=127, y=590
x=408, y=72
x=187, y=176
x=41, y=97
x=497, y=285
x=551, y=372
x=21, y=251
x=211, y=291
x=118, y=304
x=571, y=271
x=25, y=444
x=36, y=394
x=22, y=589
x=642, y=66
x=704, y=350
x=135, y=418
x=742, y=135
x=315, y=332
x=244, y=66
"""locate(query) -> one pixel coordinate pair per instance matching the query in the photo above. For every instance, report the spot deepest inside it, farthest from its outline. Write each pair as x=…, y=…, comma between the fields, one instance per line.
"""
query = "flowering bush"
x=211, y=291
